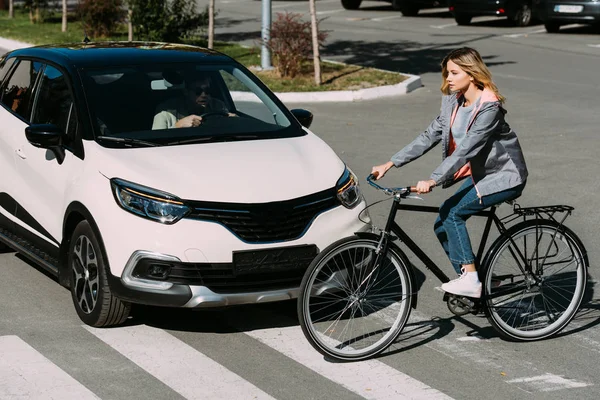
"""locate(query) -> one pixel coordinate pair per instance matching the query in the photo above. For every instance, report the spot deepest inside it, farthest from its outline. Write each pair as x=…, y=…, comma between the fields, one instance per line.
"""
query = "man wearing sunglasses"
x=187, y=111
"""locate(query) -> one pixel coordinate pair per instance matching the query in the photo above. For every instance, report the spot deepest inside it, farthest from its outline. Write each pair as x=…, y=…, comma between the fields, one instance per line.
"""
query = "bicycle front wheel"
x=534, y=280
x=350, y=307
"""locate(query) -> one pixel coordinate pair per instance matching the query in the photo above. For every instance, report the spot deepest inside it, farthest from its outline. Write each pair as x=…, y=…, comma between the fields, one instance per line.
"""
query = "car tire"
x=407, y=8
x=94, y=302
x=351, y=4
x=552, y=27
x=523, y=15
x=462, y=19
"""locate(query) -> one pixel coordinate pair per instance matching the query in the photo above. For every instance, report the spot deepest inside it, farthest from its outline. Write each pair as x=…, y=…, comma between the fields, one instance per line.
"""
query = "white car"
x=164, y=175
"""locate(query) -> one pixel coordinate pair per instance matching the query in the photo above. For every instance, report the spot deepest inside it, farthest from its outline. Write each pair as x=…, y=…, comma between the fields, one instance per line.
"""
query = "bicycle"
x=357, y=294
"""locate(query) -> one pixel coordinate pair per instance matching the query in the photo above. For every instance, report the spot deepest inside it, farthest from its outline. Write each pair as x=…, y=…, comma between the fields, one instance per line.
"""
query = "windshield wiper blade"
x=213, y=138
x=126, y=140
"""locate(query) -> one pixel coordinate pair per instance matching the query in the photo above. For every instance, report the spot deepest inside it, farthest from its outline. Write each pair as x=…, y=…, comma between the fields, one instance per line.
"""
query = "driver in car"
x=187, y=111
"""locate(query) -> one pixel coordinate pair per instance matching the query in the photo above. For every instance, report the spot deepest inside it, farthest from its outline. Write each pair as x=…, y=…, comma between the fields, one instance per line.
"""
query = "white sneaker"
x=463, y=286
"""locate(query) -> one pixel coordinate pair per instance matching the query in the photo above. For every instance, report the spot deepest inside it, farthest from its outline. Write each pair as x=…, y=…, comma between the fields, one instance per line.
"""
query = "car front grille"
x=266, y=222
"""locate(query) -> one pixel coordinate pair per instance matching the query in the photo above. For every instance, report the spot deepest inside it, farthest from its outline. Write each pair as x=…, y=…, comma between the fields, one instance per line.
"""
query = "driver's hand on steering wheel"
x=189, y=121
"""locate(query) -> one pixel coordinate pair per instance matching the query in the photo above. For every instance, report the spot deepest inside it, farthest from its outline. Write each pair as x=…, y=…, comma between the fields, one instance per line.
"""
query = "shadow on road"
x=403, y=56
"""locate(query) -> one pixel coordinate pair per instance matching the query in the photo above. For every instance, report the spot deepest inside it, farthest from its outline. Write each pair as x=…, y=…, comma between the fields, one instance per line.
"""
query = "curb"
x=412, y=83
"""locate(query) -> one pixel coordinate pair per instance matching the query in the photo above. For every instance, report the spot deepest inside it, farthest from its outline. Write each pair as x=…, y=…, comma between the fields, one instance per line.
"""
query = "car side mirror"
x=47, y=136
x=303, y=116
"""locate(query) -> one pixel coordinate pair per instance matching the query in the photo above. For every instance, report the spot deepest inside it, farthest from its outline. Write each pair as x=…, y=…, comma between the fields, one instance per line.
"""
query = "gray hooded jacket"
x=490, y=146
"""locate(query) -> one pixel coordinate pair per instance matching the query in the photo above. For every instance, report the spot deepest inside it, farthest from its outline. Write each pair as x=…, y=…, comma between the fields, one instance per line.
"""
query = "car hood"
x=253, y=171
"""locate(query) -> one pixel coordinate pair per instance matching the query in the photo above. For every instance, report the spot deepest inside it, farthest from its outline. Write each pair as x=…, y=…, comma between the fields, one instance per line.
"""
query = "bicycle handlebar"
x=403, y=191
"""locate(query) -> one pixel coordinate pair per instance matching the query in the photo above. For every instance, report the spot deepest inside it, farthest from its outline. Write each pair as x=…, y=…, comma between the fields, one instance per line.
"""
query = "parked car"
x=554, y=13
x=410, y=8
x=101, y=188
x=519, y=12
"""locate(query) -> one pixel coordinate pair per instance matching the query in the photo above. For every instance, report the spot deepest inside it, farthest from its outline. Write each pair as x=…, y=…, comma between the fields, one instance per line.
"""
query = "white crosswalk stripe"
x=27, y=374
x=371, y=379
x=180, y=366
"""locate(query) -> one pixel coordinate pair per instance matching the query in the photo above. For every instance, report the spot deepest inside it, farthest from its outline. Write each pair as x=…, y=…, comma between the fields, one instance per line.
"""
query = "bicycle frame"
x=392, y=226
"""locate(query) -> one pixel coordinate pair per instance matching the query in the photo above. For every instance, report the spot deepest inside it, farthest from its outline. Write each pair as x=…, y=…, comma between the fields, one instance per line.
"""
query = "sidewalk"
x=407, y=86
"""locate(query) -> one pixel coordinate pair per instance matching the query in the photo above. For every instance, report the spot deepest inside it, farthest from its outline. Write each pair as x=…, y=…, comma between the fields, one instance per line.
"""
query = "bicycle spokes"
x=540, y=299
x=357, y=300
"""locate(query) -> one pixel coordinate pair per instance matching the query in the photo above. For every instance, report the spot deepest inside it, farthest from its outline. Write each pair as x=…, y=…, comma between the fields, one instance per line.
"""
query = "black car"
x=519, y=12
x=407, y=7
x=555, y=13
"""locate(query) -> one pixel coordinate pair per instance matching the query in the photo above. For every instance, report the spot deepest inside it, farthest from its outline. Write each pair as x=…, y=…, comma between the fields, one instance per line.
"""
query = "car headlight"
x=348, y=191
x=148, y=203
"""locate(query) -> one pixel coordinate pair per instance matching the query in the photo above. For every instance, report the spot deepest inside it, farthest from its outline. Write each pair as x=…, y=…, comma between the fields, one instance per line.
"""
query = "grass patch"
x=335, y=76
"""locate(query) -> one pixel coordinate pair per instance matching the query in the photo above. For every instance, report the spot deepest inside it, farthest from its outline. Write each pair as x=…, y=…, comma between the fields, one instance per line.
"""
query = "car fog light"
x=158, y=271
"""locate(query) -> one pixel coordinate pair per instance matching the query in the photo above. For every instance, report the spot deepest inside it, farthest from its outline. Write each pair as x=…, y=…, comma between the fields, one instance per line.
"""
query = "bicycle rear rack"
x=539, y=212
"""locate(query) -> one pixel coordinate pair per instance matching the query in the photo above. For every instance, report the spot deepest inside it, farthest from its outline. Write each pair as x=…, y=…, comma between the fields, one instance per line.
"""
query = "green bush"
x=165, y=21
x=291, y=43
x=101, y=17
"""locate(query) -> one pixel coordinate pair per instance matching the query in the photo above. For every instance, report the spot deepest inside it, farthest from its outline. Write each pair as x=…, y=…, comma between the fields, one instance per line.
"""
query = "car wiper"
x=126, y=140
x=213, y=138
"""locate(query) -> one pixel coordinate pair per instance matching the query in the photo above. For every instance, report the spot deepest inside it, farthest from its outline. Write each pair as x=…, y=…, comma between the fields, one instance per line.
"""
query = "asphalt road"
x=551, y=84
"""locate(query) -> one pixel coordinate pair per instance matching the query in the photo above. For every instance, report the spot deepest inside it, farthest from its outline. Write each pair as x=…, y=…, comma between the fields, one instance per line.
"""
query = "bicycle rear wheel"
x=350, y=309
x=534, y=284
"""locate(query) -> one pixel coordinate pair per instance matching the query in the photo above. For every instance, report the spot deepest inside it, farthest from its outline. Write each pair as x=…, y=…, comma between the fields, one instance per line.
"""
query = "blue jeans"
x=450, y=226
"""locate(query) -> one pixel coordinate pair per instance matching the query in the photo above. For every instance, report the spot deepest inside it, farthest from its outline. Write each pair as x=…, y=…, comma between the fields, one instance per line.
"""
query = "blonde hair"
x=470, y=61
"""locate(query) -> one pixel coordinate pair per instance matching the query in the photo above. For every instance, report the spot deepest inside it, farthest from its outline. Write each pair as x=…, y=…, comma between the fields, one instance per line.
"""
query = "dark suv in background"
x=519, y=12
x=406, y=7
x=554, y=13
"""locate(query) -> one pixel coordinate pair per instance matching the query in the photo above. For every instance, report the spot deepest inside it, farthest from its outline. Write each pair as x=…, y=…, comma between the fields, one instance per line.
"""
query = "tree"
x=11, y=9
x=211, y=23
x=167, y=21
x=315, y=41
x=129, y=23
x=64, y=15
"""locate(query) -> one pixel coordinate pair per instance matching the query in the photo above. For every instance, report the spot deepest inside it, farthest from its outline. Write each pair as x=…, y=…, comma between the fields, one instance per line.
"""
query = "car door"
x=15, y=99
x=41, y=198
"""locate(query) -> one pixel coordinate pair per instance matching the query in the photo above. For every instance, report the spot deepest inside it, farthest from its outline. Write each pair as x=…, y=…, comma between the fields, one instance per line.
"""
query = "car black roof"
x=99, y=54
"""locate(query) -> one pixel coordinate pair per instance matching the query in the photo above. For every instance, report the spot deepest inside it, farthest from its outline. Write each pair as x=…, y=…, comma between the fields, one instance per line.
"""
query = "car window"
x=5, y=65
x=54, y=104
x=16, y=93
x=213, y=102
x=245, y=99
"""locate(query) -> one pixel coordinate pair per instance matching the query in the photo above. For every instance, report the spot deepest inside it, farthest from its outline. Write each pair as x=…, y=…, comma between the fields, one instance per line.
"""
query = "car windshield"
x=154, y=105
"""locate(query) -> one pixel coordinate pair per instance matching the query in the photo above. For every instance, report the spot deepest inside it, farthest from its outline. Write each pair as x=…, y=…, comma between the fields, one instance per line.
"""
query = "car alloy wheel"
x=85, y=274
x=523, y=15
x=92, y=297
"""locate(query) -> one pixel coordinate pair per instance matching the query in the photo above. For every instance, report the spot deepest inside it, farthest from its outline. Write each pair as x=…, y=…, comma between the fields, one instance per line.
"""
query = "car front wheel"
x=351, y=4
x=462, y=19
x=552, y=27
x=94, y=302
x=407, y=8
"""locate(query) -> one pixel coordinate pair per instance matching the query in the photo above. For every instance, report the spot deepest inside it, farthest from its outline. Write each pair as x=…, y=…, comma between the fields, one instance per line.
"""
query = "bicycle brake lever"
x=414, y=197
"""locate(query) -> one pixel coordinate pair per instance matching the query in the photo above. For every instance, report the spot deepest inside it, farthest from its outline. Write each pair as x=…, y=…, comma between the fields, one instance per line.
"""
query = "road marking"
x=329, y=11
x=297, y=4
x=443, y=26
x=548, y=383
x=178, y=365
x=371, y=379
x=386, y=18
x=594, y=45
x=516, y=35
x=27, y=374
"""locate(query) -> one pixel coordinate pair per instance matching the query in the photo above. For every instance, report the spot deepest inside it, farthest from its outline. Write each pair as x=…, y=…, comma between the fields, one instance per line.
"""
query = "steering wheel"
x=213, y=113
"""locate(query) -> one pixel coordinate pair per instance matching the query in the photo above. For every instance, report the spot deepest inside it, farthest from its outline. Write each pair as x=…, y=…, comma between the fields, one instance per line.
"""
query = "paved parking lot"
x=551, y=82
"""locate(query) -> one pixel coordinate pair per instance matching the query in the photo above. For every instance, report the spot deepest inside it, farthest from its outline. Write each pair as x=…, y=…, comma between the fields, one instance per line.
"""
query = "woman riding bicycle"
x=477, y=143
